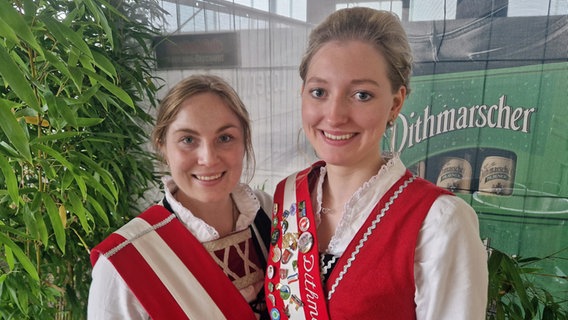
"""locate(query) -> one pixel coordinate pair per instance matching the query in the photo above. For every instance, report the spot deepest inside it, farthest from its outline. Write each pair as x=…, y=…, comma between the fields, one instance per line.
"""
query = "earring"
x=390, y=123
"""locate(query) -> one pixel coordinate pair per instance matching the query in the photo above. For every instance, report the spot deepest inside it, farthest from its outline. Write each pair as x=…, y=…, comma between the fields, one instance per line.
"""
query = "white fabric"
x=109, y=296
x=450, y=265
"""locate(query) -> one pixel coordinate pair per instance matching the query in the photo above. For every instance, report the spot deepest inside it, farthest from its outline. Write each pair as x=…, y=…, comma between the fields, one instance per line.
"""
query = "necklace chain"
x=326, y=210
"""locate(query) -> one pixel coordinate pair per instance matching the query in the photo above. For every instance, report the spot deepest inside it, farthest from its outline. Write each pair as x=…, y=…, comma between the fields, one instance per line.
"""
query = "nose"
x=338, y=111
x=207, y=154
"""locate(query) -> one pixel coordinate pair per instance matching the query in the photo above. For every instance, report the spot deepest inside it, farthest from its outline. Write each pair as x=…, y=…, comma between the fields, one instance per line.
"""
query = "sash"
x=293, y=285
x=169, y=271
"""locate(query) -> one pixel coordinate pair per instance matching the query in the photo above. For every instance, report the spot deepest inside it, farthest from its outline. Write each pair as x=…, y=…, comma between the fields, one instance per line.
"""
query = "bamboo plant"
x=76, y=85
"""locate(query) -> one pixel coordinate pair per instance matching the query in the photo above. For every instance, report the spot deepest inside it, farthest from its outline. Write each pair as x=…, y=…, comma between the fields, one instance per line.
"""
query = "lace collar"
x=244, y=197
x=361, y=203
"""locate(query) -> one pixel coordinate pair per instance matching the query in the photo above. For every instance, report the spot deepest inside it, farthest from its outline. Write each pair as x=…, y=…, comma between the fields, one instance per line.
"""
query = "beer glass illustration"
x=455, y=175
x=496, y=175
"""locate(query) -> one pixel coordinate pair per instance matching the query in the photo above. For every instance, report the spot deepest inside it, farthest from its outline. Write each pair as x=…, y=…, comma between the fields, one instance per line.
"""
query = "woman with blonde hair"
x=356, y=235
x=201, y=252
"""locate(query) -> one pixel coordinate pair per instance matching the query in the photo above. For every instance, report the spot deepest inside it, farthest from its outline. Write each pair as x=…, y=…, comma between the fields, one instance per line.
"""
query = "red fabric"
x=149, y=289
x=380, y=282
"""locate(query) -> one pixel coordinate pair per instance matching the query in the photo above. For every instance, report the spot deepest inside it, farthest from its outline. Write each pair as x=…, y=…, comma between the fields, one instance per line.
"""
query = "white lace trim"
x=361, y=203
x=244, y=197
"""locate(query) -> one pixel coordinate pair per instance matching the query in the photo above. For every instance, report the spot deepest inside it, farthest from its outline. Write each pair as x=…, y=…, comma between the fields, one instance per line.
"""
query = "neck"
x=342, y=182
x=221, y=215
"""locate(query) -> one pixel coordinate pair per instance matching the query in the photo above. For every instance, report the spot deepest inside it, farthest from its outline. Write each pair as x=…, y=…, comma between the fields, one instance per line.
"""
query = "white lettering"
x=417, y=128
x=310, y=286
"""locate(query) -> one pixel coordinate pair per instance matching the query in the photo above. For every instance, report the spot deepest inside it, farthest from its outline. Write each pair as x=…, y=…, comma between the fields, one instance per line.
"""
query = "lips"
x=340, y=137
x=208, y=177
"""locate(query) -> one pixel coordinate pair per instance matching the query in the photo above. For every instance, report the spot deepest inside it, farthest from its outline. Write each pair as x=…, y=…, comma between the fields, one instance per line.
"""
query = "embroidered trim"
x=126, y=242
x=235, y=243
x=326, y=266
x=367, y=234
x=357, y=203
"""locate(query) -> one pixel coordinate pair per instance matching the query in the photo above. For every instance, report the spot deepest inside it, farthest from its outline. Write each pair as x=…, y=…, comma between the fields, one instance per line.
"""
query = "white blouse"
x=109, y=296
x=450, y=266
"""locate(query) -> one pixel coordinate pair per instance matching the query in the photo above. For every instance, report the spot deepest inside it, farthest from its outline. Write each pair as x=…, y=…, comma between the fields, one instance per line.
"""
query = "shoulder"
x=265, y=200
x=133, y=229
x=250, y=200
x=451, y=220
x=449, y=208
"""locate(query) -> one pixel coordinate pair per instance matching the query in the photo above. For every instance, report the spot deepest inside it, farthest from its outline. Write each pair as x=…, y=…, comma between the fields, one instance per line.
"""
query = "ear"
x=397, y=101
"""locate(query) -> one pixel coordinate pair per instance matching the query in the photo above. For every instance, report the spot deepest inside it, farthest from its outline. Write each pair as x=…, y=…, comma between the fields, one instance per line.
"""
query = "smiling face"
x=347, y=100
x=204, y=148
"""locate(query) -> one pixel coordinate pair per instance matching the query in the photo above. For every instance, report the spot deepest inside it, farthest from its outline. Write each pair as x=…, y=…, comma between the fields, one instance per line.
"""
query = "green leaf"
x=13, y=19
x=60, y=136
x=115, y=90
x=9, y=254
x=21, y=256
x=55, y=154
x=67, y=164
x=66, y=35
x=103, y=173
x=23, y=301
x=79, y=210
x=98, y=209
x=60, y=66
x=510, y=267
x=6, y=31
x=104, y=63
x=37, y=218
x=30, y=222
x=88, y=122
x=10, y=180
x=13, y=130
x=16, y=79
x=100, y=18
x=8, y=150
x=59, y=106
x=56, y=223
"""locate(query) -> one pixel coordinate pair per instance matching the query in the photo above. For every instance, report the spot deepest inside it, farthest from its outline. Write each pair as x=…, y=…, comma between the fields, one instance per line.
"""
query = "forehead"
x=205, y=111
x=352, y=57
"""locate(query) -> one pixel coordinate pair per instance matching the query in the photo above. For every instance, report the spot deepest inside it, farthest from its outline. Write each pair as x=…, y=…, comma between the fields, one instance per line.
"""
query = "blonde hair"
x=381, y=29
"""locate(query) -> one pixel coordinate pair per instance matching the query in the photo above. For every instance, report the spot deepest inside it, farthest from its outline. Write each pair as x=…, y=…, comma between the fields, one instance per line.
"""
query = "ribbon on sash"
x=169, y=270
x=293, y=284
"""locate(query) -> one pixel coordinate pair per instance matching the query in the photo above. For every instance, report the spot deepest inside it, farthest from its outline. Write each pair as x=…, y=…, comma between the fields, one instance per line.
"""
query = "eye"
x=225, y=138
x=363, y=96
x=317, y=92
x=188, y=140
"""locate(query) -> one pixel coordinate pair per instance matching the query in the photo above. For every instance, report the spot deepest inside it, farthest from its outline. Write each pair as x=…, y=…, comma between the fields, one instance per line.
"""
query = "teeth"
x=208, y=178
x=341, y=137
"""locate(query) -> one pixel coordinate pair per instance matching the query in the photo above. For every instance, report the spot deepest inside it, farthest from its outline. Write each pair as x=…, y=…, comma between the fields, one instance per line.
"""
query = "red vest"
x=373, y=279
x=379, y=282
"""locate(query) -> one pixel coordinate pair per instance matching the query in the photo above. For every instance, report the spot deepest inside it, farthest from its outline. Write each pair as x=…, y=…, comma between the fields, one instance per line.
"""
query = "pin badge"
x=305, y=242
x=275, y=236
x=270, y=272
x=304, y=224
x=276, y=254
x=274, y=314
x=285, y=292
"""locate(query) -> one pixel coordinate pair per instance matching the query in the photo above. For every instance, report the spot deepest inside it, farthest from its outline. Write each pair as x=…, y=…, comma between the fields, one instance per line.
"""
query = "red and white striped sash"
x=169, y=271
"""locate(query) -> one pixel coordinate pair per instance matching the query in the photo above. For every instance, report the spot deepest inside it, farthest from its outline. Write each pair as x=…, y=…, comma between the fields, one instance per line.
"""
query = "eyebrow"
x=221, y=129
x=355, y=81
